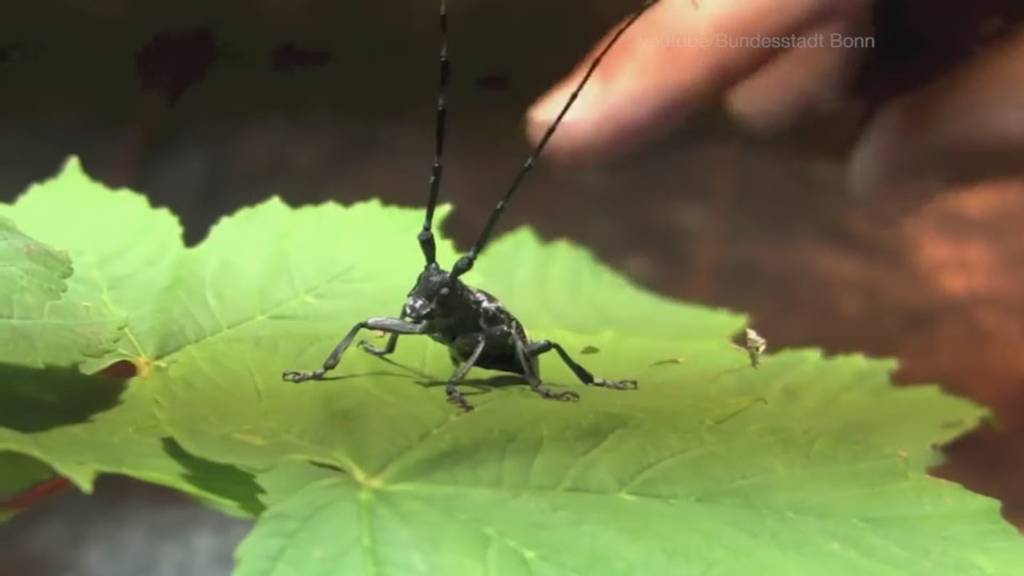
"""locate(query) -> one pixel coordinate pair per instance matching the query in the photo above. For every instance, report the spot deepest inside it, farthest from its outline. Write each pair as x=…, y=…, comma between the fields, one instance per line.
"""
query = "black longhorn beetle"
x=473, y=324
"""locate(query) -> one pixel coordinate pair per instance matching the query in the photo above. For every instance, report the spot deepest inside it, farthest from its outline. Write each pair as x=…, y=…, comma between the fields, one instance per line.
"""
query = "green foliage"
x=808, y=465
x=40, y=324
x=17, y=474
x=122, y=251
x=123, y=256
x=29, y=270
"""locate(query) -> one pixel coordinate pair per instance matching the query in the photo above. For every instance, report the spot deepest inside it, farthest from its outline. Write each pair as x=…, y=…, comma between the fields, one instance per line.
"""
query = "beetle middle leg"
x=533, y=377
x=394, y=326
x=454, y=396
x=389, y=347
x=541, y=346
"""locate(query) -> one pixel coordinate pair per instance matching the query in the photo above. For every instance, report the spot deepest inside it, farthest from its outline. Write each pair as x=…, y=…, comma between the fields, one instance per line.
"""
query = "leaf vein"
x=259, y=316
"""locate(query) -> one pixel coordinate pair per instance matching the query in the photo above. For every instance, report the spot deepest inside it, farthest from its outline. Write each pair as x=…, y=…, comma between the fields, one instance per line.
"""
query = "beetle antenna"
x=465, y=264
x=426, y=235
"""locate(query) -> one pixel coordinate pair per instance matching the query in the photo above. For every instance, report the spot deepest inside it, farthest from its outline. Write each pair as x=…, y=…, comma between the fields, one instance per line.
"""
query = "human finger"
x=966, y=127
x=675, y=58
x=812, y=79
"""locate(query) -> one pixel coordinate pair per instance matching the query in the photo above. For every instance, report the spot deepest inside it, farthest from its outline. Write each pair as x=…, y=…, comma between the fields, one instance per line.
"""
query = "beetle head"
x=433, y=288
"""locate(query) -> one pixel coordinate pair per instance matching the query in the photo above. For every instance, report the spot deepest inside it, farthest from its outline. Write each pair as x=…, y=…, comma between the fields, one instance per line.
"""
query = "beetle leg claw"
x=456, y=397
x=295, y=376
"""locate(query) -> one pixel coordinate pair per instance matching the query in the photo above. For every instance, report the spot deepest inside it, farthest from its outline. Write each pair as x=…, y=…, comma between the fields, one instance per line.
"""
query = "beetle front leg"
x=394, y=326
x=537, y=348
x=389, y=347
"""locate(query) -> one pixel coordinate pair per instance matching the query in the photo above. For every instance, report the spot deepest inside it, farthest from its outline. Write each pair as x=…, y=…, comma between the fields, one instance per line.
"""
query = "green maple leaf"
x=31, y=273
x=807, y=465
x=39, y=324
x=121, y=250
x=83, y=425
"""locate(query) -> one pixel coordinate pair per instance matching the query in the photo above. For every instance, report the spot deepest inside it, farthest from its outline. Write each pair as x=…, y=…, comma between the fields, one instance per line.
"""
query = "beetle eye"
x=445, y=291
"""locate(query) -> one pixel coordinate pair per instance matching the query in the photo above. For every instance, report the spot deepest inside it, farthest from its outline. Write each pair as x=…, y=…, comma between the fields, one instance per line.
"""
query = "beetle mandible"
x=473, y=324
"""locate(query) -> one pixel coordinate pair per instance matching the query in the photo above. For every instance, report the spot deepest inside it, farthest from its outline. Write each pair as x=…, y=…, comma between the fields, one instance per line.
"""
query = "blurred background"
x=210, y=107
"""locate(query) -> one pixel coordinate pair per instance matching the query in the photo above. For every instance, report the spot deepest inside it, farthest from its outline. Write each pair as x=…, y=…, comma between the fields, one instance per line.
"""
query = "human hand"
x=965, y=124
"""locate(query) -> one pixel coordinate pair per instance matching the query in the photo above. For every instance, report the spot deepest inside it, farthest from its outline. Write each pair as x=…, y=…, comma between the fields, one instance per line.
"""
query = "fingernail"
x=543, y=112
x=547, y=106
